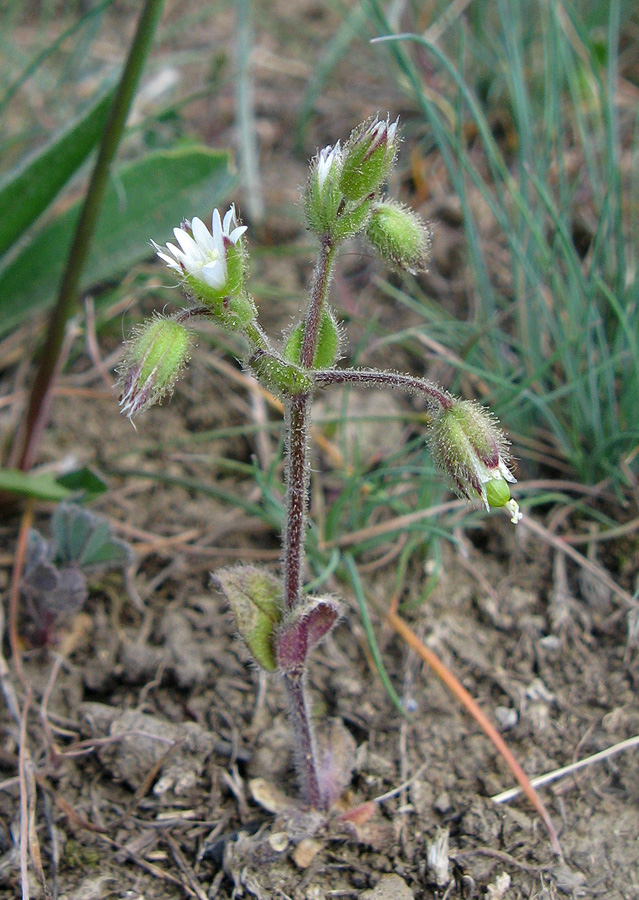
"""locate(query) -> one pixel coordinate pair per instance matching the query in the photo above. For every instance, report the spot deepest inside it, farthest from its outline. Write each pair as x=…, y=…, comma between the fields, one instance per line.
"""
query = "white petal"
x=160, y=251
x=171, y=263
x=229, y=219
x=237, y=233
x=176, y=253
x=214, y=274
x=217, y=230
x=188, y=245
x=202, y=235
x=506, y=473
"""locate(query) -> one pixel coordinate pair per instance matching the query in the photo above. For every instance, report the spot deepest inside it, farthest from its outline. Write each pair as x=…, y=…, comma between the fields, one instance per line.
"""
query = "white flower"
x=202, y=253
x=326, y=159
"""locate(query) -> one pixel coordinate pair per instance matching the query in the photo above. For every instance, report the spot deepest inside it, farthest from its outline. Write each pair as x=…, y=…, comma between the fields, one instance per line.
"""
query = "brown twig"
x=595, y=570
x=93, y=347
x=399, y=523
x=14, y=590
x=184, y=867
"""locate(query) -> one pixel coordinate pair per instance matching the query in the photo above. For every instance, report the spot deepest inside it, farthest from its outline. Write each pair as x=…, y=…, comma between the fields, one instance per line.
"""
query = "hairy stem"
x=296, y=508
x=256, y=336
x=298, y=478
x=252, y=331
x=319, y=291
x=296, y=498
x=304, y=752
x=376, y=378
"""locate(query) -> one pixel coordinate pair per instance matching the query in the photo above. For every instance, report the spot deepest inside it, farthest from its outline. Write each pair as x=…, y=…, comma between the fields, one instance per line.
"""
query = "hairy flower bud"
x=153, y=359
x=399, y=236
x=368, y=158
x=468, y=445
x=323, y=196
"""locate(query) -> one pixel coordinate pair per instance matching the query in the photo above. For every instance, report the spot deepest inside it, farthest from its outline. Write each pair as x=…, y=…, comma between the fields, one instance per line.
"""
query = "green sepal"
x=327, y=343
x=322, y=206
x=368, y=159
x=352, y=219
x=160, y=347
x=280, y=376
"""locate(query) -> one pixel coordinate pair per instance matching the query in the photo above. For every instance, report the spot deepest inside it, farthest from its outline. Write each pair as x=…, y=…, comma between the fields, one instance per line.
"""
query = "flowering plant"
x=279, y=623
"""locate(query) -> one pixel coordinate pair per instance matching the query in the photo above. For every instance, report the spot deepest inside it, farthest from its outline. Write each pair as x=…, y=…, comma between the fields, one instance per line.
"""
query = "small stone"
x=498, y=890
x=270, y=797
x=443, y=804
x=279, y=841
x=305, y=852
x=389, y=887
x=506, y=716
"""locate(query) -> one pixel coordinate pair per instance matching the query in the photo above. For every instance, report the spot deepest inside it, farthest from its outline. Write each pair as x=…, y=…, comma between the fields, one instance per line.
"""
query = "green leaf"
x=144, y=200
x=83, y=538
x=26, y=192
x=84, y=479
x=40, y=486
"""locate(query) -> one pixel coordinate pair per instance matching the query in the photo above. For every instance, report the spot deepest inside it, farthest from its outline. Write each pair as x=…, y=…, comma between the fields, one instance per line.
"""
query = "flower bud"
x=323, y=197
x=468, y=445
x=399, y=236
x=368, y=158
x=328, y=339
x=153, y=359
x=255, y=598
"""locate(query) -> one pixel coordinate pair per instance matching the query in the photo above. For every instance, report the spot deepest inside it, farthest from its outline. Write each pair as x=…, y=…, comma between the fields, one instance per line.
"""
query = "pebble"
x=389, y=887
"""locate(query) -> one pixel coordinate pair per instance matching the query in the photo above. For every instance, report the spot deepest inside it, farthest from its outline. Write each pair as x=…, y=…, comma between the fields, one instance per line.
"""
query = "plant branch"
x=298, y=479
x=40, y=397
x=378, y=378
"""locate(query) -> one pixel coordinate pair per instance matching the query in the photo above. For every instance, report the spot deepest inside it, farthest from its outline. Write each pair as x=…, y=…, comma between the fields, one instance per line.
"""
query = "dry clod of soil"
x=144, y=741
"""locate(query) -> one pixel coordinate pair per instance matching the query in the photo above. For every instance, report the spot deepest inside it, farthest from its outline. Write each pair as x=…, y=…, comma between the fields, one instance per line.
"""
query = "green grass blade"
x=35, y=63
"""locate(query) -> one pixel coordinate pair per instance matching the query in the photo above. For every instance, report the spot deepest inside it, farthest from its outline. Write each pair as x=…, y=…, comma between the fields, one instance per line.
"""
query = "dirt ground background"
x=149, y=732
